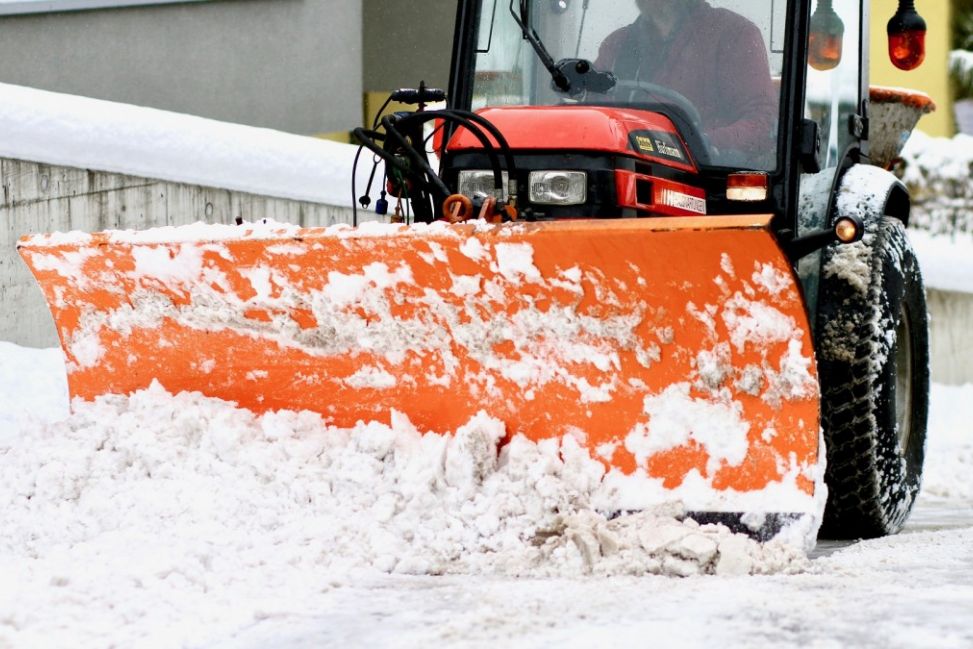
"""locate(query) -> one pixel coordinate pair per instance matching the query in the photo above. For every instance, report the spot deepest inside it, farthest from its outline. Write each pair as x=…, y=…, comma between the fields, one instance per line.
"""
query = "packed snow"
x=172, y=521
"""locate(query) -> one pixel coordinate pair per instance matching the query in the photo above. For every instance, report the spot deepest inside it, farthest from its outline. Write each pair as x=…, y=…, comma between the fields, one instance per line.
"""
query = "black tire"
x=874, y=369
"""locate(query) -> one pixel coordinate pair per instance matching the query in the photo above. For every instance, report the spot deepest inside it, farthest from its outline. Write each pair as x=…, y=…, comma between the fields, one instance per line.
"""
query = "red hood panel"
x=636, y=133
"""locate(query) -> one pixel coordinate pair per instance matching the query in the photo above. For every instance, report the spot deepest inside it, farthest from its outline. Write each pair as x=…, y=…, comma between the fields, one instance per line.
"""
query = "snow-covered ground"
x=166, y=521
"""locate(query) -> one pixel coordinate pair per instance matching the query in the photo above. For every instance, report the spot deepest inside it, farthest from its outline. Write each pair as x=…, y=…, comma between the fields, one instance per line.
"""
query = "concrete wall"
x=406, y=42
x=951, y=336
x=293, y=65
x=42, y=198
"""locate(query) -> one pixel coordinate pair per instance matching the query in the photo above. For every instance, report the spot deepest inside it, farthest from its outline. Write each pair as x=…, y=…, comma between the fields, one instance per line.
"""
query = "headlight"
x=558, y=187
x=480, y=182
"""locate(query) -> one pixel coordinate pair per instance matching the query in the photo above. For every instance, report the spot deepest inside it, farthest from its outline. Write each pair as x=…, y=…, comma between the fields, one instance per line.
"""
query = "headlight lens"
x=480, y=182
x=558, y=187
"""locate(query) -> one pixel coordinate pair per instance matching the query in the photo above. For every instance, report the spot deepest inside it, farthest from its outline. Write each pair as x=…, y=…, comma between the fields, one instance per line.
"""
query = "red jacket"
x=715, y=58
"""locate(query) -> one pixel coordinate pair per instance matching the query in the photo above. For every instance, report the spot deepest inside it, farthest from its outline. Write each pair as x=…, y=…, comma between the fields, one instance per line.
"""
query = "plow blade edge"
x=676, y=351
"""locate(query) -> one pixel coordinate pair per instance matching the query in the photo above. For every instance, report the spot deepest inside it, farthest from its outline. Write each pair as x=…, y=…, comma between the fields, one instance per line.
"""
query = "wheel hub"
x=903, y=379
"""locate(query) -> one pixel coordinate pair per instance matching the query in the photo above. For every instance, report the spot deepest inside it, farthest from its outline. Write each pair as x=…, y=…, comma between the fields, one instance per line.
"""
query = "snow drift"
x=86, y=133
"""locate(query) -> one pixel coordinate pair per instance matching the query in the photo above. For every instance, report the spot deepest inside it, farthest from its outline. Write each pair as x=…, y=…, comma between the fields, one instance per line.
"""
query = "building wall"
x=293, y=65
x=933, y=76
x=407, y=42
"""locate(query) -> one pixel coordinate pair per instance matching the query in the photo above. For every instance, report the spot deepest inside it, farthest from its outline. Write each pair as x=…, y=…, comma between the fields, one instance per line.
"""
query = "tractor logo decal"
x=643, y=143
x=658, y=144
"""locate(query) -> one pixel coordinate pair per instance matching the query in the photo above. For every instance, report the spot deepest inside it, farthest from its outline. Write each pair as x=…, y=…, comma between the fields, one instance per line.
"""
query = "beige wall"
x=292, y=65
x=933, y=76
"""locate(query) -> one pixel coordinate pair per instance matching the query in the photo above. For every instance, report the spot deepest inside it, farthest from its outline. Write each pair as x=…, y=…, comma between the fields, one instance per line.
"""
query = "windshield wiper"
x=572, y=76
x=561, y=80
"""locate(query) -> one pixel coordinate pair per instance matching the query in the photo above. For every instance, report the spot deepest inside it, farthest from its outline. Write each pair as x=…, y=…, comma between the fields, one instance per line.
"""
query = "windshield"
x=714, y=67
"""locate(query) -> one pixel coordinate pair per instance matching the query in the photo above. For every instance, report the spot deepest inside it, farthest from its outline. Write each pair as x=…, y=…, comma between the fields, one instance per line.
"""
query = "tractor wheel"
x=874, y=370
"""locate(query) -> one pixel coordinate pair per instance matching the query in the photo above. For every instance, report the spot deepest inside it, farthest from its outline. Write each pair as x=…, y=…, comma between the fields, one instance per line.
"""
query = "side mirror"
x=825, y=39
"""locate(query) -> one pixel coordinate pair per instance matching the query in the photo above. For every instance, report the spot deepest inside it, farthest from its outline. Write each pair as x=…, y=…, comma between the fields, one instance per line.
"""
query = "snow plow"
x=692, y=275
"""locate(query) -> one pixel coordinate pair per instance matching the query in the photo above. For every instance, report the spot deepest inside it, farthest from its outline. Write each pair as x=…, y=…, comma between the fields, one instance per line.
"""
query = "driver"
x=714, y=57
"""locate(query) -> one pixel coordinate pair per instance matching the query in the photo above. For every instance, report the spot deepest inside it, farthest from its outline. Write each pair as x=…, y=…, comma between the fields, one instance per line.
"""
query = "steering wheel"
x=686, y=115
x=662, y=95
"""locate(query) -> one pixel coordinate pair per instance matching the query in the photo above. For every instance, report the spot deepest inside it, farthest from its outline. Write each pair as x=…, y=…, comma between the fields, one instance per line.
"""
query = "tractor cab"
x=612, y=113
x=711, y=71
x=616, y=108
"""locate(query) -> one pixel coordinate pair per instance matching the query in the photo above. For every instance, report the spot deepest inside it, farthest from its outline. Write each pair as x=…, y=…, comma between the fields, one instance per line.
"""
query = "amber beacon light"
x=907, y=37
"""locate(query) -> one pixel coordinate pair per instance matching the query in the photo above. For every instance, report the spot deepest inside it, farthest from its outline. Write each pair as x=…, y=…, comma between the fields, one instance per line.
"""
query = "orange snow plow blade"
x=677, y=350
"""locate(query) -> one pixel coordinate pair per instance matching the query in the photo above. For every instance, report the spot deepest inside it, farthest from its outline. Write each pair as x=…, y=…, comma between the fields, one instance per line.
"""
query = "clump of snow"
x=770, y=278
x=516, y=260
x=756, y=323
x=679, y=419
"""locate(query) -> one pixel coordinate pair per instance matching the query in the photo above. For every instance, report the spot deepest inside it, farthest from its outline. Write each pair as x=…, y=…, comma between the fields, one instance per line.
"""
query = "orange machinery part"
x=572, y=327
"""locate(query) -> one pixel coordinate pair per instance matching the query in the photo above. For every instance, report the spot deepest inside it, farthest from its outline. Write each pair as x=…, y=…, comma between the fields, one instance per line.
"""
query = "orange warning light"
x=907, y=37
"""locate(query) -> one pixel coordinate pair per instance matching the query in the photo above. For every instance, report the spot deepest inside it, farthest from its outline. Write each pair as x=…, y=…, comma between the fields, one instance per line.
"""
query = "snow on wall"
x=939, y=175
x=74, y=131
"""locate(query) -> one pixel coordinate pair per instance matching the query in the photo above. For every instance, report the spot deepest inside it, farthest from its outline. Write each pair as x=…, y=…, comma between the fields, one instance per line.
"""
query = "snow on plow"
x=677, y=351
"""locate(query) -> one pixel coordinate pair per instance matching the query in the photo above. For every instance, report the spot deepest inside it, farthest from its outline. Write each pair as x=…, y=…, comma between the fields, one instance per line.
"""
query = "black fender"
x=870, y=193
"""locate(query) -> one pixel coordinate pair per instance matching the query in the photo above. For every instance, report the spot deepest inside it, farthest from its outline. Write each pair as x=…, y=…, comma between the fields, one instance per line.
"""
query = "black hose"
x=472, y=128
x=494, y=131
x=416, y=167
x=472, y=122
x=413, y=155
x=354, y=192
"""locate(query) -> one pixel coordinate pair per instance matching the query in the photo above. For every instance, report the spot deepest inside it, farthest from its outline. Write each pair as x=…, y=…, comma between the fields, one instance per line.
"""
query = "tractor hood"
x=620, y=131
